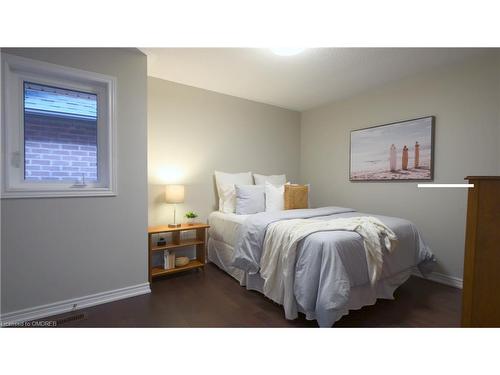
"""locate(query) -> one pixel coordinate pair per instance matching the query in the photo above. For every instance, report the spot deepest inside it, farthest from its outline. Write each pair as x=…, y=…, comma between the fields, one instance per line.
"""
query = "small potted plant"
x=191, y=215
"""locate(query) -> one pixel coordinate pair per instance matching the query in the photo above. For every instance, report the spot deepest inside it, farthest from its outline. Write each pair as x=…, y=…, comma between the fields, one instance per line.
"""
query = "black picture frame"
x=388, y=176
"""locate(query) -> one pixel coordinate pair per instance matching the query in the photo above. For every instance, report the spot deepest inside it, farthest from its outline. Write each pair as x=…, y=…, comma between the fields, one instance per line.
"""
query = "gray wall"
x=192, y=132
x=55, y=249
x=498, y=104
x=465, y=100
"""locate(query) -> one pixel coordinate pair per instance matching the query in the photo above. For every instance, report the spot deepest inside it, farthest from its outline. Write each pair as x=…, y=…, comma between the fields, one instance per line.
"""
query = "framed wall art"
x=401, y=150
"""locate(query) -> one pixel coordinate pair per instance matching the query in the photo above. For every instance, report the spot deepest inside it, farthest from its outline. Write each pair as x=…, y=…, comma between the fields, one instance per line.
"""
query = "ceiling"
x=307, y=80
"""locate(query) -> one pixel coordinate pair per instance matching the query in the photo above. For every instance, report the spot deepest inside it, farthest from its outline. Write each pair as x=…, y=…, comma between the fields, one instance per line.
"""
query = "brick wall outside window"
x=59, y=148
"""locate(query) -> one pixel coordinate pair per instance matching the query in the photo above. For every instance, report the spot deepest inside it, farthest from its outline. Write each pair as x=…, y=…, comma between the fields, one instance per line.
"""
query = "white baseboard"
x=441, y=278
x=61, y=307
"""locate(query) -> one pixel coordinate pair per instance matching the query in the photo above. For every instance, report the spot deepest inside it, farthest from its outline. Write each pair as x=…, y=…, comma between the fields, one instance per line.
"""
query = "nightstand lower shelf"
x=157, y=271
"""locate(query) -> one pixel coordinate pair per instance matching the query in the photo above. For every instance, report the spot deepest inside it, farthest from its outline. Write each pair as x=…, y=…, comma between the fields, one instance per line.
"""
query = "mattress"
x=225, y=227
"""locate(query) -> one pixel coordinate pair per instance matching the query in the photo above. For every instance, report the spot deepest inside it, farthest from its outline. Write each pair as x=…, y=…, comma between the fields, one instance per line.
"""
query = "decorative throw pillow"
x=250, y=199
x=275, y=197
x=276, y=180
x=296, y=196
x=225, y=188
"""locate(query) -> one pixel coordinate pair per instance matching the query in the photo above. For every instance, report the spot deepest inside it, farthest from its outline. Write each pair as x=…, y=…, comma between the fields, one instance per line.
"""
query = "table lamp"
x=174, y=194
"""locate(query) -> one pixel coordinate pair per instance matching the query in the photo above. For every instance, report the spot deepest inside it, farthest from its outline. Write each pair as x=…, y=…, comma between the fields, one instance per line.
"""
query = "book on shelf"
x=171, y=259
x=168, y=260
x=165, y=260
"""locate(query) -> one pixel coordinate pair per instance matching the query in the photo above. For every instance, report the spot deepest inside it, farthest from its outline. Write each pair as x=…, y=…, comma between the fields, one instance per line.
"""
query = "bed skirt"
x=221, y=254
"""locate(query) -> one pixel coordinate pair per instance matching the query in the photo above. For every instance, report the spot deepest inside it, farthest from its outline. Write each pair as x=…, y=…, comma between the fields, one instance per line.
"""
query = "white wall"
x=192, y=132
x=465, y=100
x=55, y=249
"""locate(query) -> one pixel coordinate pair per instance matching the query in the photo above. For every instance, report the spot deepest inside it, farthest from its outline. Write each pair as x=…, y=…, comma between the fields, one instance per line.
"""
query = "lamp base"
x=174, y=225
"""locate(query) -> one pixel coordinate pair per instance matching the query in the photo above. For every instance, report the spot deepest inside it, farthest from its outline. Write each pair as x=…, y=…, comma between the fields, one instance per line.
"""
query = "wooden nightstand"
x=176, y=243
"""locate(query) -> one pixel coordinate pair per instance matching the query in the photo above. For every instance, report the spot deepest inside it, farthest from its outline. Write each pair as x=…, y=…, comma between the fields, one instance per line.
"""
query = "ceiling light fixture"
x=287, y=51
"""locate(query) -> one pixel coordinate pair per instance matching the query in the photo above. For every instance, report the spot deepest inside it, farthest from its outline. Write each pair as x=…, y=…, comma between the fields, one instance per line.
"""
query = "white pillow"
x=276, y=180
x=227, y=198
x=275, y=197
x=225, y=188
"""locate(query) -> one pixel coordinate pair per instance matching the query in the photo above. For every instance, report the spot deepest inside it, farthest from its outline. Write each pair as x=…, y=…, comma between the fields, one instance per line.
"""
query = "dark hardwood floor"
x=211, y=298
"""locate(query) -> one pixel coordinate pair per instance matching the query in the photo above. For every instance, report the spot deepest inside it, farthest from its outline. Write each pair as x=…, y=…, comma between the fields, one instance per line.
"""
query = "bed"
x=331, y=274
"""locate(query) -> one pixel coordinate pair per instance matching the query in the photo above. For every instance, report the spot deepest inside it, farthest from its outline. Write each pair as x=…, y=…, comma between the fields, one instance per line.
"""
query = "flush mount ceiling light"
x=287, y=51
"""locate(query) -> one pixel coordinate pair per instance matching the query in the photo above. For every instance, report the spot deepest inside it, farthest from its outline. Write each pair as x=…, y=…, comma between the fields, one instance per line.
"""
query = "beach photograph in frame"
x=401, y=150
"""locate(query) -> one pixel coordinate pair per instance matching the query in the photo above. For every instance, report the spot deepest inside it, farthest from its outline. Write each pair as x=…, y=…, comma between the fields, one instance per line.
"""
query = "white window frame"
x=17, y=70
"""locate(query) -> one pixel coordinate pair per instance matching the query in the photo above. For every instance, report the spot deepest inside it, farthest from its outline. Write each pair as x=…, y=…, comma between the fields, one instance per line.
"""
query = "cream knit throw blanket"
x=277, y=264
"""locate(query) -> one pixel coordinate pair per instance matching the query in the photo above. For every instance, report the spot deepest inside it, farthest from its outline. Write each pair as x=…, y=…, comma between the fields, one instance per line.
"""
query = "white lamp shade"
x=174, y=193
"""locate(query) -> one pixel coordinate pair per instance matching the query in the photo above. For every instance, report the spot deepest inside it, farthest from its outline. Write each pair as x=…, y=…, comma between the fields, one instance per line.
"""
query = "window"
x=59, y=132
